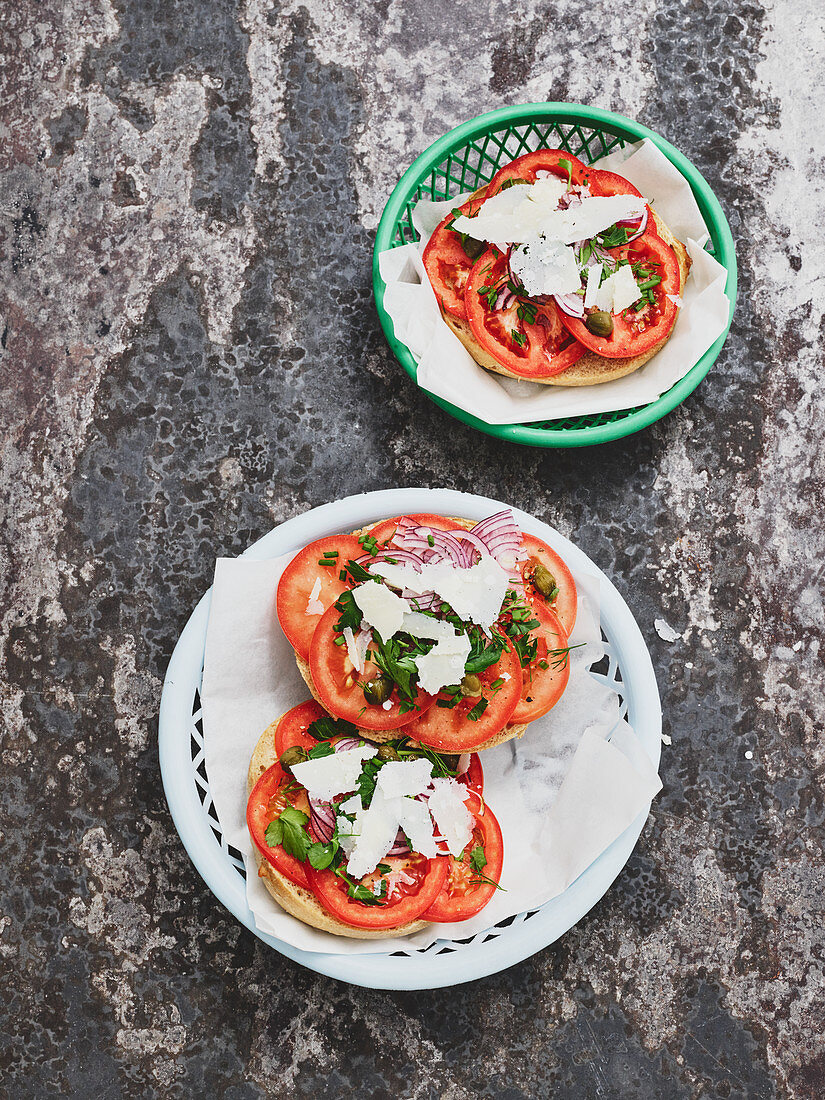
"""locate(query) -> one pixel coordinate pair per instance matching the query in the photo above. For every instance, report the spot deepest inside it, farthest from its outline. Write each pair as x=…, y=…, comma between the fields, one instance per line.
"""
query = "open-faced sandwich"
x=557, y=272
x=366, y=840
x=423, y=640
x=452, y=633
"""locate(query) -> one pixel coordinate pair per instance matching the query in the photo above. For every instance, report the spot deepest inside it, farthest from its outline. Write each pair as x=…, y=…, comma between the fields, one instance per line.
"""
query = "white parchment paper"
x=562, y=794
x=447, y=370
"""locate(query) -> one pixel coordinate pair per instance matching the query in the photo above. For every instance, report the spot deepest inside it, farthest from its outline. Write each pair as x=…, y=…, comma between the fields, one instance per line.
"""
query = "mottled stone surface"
x=189, y=354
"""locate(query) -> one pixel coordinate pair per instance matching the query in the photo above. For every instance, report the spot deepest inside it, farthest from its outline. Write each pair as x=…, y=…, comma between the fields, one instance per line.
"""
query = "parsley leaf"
x=323, y=748
x=325, y=727
x=481, y=654
x=322, y=855
x=478, y=859
x=289, y=829
x=350, y=612
x=368, y=778
x=358, y=892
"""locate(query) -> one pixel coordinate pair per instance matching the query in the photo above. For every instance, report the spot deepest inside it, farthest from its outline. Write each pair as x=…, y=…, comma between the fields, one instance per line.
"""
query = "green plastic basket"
x=468, y=157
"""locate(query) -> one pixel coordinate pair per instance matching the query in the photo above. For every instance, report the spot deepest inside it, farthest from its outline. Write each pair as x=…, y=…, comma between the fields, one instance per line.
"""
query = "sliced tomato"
x=292, y=728
x=603, y=184
x=539, y=348
x=474, y=776
x=340, y=687
x=449, y=729
x=635, y=332
x=298, y=582
x=407, y=901
x=565, y=601
x=447, y=260
x=545, y=677
x=464, y=893
x=270, y=796
x=384, y=531
x=542, y=160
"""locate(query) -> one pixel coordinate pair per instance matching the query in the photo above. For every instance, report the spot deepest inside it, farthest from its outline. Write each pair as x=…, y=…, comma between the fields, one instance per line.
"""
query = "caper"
x=293, y=755
x=471, y=685
x=378, y=690
x=543, y=579
x=472, y=247
x=387, y=752
x=599, y=322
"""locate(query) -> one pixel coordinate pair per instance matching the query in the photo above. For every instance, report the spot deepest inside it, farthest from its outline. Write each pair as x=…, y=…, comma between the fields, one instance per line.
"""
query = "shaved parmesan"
x=618, y=291
x=377, y=828
x=546, y=266
x=328, y=776
x=444, y=664
x=352, y=649
x=414, y=818
x=404, y=777
x=314, y=605
x=418, y=625
x=382, y=609
x=519, y=213
x=475, y=593
x=454, y=820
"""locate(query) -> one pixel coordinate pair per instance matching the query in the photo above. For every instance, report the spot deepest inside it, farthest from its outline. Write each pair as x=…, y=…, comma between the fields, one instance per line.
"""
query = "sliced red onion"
x=321, y=820
x=347, y=743
x=571, y=304
x=400, y=555
x=399, y=846
x=473, y=539
x=642, y=226
x=500, y=533
x=604, y=257
x=463, y=764
x=501, y=298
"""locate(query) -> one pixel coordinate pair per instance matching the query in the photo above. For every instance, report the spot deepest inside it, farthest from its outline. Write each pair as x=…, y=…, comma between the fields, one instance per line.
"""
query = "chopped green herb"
x=369, y=544
x=289, y=829
x=324, y=728
x=477, y=711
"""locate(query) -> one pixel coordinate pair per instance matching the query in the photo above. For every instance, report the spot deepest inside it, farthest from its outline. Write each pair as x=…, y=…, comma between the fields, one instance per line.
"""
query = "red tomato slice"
x=450, y=730
x=407, y=902
x=603, y=183
x=298, y=580
x=339, y=685
x=542, y=687
x=268, y=799
x=463, y=894
x=634, y=332
x=542, y=160
x=538, y=349
x=566, y=601
x=385, y=530
x=292, y=728
x=448, y=264
x=474, y=776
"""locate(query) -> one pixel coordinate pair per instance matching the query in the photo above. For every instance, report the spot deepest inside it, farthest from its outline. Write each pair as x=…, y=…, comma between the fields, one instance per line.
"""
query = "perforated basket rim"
x=422, y=970
x=593, y=118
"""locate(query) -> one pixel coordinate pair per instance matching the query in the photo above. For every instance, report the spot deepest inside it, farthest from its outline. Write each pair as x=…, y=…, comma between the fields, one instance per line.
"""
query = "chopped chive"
x=477, y=710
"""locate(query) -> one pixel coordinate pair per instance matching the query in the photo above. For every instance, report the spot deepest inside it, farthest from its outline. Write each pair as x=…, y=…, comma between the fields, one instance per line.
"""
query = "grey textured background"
x=189, y=354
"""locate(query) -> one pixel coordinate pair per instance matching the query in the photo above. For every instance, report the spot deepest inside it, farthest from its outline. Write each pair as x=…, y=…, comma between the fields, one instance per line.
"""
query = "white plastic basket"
x=627, y=667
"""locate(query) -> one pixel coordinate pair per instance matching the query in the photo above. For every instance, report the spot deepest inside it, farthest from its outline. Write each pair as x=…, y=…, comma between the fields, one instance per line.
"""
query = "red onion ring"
x=571, y=304
x=321, y=820
x=642, y=226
